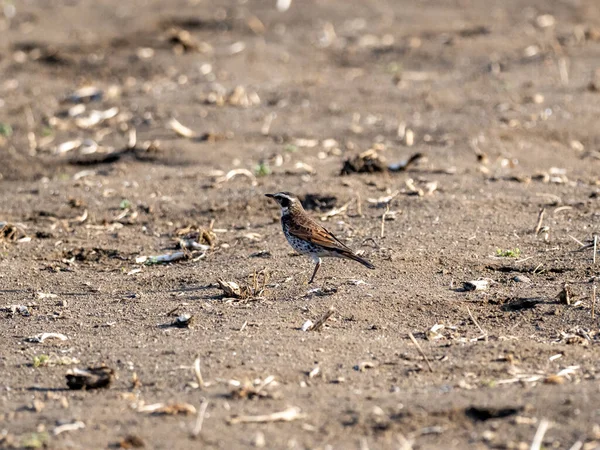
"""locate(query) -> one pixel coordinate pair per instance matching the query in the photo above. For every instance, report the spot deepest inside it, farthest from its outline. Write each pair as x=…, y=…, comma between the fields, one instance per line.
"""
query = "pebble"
x=522, y=279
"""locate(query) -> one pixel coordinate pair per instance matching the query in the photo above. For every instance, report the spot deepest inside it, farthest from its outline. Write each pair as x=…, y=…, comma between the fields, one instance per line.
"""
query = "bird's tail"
x=357, y=258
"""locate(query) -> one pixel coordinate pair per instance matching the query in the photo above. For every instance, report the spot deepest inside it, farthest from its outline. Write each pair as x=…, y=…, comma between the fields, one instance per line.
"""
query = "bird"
x=308, y=237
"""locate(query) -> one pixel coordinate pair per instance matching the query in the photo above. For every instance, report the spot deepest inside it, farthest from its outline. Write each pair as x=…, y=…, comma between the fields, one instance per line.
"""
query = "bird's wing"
x=311, y=231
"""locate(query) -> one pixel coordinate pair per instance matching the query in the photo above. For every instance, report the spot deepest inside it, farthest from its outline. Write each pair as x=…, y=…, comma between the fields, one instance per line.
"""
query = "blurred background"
x=510, y=79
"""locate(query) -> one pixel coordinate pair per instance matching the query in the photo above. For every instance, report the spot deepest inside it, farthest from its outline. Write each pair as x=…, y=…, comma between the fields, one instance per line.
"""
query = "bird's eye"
x=284, y=202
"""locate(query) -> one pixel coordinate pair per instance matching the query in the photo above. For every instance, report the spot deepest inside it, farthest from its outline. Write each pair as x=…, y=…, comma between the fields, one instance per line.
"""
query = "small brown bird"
x=306, y=236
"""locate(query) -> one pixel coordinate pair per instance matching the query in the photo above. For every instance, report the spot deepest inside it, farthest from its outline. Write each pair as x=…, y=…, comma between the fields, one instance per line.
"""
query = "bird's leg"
x=315, y=272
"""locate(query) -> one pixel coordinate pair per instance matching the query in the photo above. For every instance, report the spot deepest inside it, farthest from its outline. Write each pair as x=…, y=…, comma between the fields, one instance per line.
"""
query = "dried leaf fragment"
x=233, y=290
x=434, y=332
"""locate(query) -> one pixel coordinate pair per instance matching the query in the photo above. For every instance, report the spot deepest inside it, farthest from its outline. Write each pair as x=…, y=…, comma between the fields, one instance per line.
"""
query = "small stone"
x=258, y=440
x=522, y=279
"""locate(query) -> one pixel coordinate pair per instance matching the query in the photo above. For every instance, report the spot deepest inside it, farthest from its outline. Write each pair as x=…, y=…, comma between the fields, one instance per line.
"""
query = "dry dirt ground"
x=500, y=98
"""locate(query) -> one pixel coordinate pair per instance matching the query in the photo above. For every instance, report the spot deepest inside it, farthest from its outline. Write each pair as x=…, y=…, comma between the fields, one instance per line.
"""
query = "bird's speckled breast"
x=300, y=245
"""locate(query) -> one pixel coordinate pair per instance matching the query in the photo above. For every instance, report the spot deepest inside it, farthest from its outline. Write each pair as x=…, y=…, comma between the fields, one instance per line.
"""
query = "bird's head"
x=286, y=201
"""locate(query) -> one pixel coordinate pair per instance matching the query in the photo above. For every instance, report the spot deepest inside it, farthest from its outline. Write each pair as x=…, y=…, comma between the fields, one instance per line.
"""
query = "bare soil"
x=501, y=99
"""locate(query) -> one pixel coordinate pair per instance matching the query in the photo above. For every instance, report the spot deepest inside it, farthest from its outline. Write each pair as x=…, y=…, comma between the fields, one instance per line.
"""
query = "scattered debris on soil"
x=13, y=233
x=290, y=414
x=566, y=294
x=486, y=413
x=318, y=324
x=131, y=441
x=434, y=332
x=40, y=338
x=366, y=162
x=233, y=290
x=476, y=285
x=172, y=257
x=74, y=426
x=371, y=161
x=183, y=321
x=12, y=310
x=195, y=237
x=521, y=303
x=253, y=389
x=168, y=409
x=90, y=378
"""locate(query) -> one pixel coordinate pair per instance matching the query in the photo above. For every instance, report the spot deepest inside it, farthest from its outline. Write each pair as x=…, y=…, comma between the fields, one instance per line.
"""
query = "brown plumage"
x=307, y=236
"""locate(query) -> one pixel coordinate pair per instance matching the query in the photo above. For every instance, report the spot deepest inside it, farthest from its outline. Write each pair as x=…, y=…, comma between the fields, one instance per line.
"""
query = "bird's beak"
x=269, y=195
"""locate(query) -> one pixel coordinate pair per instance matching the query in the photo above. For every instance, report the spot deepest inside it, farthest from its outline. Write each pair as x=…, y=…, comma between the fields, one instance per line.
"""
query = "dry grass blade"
x=412, y=338
x=290, y=414
x=200, y=419
x=234, y=173
x=321, y=321
x=358, y=205
x=593, y=301
x=181, y=129
x=78, y=425
x=483, y=332
x=595, y=247
x=536, y=444
x=577, y=446
x=336, y=211
x=540, y=219
x=577, y=240
x=383, y=216
x=198, y=373
x=267, y=122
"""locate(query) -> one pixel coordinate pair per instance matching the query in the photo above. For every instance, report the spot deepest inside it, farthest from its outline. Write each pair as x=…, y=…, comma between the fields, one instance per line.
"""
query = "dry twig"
x=593, y=301
x=538, y=227
x=321, y=320
x=483, y=332
x=358, y=205
x=536, y=444
x=288, y=415
x=412, y=338
x=577, y=240
x=200, y=418
x=198, y=373
x=387, y=210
